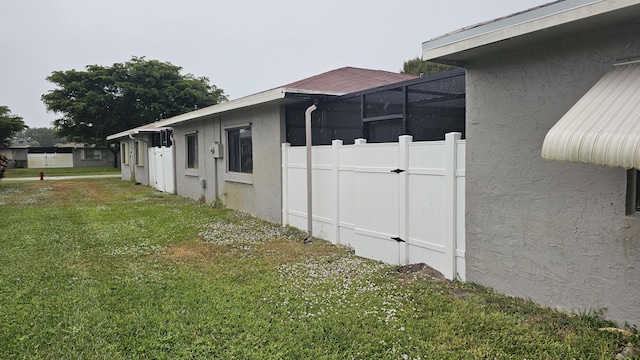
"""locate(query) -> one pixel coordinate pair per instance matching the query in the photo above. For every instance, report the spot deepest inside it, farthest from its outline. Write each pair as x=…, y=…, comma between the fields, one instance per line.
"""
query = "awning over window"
x=603, y=127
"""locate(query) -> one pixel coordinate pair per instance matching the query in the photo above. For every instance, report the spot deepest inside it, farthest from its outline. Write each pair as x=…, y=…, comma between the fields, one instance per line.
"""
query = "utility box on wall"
x=216, y=149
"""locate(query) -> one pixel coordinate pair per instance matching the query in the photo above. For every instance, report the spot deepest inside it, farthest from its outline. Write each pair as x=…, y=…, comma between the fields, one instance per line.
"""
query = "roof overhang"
x=149, y=128
x=278, y=95
x=262, y=98
x=603, y=127
x=522, y=28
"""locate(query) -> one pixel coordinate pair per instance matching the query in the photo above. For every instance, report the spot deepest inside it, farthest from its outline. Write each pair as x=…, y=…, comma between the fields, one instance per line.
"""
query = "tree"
x=104, y=100
x=38, y=137
x=9, y=126
x=418, y=67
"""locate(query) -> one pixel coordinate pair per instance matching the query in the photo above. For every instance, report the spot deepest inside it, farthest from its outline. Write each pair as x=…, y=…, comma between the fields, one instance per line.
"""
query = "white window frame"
x=124, y=153
x=138, y=153
x=94, y=151
x=633, y=193
x=235, y=176
x=194, y=165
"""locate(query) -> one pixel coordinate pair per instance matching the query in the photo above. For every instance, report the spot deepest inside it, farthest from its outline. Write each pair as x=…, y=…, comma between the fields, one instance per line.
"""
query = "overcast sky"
x=242, y=46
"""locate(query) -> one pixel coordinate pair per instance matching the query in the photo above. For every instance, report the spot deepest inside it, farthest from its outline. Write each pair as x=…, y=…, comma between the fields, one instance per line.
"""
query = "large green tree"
x=418, y=67
x=104, y=100
x=38, y=137
x=10, y=124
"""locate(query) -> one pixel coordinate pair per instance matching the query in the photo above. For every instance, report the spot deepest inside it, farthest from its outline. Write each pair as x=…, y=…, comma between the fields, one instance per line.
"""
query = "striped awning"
x=603, y=127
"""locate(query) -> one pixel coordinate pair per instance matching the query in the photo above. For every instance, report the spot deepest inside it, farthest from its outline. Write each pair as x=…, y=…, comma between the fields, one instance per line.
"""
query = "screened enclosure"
x=161, y=138
x=426, y=108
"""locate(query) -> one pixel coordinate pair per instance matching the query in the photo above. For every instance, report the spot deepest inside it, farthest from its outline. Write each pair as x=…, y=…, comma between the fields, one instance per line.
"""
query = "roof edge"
x=240, y=103
x=518, y=24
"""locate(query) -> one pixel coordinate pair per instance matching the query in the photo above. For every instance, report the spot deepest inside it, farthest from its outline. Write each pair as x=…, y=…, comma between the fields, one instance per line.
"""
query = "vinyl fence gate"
x=161, y=169
x=400, y=203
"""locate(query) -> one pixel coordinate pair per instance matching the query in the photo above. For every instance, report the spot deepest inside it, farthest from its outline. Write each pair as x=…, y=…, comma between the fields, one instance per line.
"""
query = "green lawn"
x=104, y=269
x=72, y=171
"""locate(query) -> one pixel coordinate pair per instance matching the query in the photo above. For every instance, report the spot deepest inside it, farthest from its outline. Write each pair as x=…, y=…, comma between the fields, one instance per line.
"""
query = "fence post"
x=451, y=201
x=336, y=146
x=285, y=183
x=403, y=198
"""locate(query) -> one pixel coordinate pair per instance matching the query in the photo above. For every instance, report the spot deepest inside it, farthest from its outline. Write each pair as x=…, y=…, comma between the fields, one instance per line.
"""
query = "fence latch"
x=397, y=238
x=397, y=171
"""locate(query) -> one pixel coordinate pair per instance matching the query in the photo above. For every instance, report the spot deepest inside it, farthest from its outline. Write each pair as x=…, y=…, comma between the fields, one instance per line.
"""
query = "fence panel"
x=51, y=160
x=161, y=169
x=399, y=202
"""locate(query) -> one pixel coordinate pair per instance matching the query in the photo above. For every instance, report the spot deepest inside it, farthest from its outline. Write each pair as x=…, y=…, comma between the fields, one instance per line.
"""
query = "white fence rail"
x=401, y=203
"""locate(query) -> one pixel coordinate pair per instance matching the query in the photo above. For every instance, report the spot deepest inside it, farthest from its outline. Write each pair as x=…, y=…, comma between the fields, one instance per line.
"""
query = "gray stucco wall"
x=78, y=161
x=553, y=232
x=258, y=194
x=15, y=155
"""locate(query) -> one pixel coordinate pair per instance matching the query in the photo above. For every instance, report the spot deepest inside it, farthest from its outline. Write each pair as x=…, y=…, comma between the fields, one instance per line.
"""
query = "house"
x=146, y=155
x=62, y=155
x=16, y=155
x=231, y=151
x=551, y=131
x=85, y=155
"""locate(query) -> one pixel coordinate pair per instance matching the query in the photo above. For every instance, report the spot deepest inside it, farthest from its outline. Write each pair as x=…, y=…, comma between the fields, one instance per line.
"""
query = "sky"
x=242, y=46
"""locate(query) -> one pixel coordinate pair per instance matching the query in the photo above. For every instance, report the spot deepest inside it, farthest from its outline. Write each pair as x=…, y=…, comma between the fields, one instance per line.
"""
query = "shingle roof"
x=335, y=82
x=348, y=79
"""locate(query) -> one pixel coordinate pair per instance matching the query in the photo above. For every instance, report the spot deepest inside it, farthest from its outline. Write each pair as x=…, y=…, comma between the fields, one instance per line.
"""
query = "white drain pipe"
x=307, y=126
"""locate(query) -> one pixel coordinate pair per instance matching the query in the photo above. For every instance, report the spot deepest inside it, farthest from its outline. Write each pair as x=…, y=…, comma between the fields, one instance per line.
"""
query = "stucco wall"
x=553, y=232
x=258, y=194
x=15, y=155
x=78, y=161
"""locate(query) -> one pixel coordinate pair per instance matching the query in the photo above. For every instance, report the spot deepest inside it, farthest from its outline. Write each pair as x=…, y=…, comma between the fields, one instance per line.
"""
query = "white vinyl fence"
x=161, y=169
x=400, y=203
x=51, y=160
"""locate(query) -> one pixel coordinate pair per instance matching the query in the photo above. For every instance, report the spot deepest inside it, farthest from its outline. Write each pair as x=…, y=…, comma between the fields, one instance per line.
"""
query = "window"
x=192, y=150
x=240, y=150
x=124, y=153
x=633, y=191
x=139, y=153
x=91, y=154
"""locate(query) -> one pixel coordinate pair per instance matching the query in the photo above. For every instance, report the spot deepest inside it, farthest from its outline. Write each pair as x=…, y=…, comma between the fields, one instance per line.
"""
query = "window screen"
x=240, y=150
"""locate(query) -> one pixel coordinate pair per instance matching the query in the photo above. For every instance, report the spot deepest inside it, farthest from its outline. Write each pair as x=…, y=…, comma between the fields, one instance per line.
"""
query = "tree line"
x=102, y=100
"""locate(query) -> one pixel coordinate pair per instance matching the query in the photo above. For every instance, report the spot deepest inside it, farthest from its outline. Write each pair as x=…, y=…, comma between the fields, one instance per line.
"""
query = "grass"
x=98, y=269
x=72, y=171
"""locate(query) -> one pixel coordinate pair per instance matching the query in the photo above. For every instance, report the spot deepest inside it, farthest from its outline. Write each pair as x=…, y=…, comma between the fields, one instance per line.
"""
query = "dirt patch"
x=420, y=270
x=79, y=192
x=189, y=251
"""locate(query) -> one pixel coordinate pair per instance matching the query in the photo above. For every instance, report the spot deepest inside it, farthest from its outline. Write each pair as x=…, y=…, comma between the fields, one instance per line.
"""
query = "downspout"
x=132, y=167
x=215, y=161
x=307, y=126
x=203, y=182
x=173, y=163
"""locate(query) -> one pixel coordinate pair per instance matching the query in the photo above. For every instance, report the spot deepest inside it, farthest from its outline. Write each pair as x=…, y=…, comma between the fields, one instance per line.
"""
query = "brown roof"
x=348, y=79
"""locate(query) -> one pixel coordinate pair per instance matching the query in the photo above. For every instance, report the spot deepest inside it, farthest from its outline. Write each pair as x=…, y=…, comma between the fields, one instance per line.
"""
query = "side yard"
x=106, y=269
